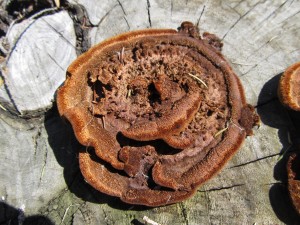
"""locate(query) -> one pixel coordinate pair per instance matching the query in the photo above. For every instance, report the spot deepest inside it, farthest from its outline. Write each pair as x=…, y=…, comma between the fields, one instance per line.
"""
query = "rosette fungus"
x=161, y=110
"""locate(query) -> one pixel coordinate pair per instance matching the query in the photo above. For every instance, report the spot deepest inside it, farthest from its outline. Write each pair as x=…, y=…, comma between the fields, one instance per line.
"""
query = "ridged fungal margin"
x=161, y=110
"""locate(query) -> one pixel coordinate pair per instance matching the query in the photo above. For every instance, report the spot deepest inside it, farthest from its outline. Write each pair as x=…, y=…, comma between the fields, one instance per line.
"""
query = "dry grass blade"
x=129, y=93
x=1, y=81
x=57, y=3
x=2, y=107
x=198, y=79
x=149, y=221
x=66, y=211
x=220, y=132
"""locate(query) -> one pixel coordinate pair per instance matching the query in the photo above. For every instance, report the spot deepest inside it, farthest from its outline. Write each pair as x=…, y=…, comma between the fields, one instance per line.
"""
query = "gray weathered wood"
x=38, y=164
x=41, y=50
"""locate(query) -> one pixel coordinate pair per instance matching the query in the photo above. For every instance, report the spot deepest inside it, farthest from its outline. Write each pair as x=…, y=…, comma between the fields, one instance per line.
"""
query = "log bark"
x=39, y=174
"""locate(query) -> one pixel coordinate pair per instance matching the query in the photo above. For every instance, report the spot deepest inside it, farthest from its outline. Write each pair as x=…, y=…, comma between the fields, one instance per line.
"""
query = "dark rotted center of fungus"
x=162, y=110
x=159, y=90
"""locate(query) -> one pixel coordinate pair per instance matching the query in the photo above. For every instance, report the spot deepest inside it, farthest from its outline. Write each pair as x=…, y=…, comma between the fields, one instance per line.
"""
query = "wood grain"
x=41, y=50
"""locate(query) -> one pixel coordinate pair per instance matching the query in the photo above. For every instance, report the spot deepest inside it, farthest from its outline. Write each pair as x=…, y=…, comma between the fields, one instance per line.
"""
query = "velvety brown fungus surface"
x=293, y=168
x=289, y=87
x=161, y=110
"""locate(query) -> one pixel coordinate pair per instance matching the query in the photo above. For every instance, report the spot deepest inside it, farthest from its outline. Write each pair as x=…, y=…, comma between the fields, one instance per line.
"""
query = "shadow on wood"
x=273, y=114
x=66, y=147
x=12, y=216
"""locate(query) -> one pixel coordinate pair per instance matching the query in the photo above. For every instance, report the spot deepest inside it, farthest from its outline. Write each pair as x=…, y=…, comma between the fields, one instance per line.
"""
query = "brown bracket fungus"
x=293, y=169
x=161, y=110
x=289, y=87
x=289, y=96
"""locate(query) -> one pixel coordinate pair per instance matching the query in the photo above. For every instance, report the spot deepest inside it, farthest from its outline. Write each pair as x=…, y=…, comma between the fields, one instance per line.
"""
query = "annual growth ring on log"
x=161, y=110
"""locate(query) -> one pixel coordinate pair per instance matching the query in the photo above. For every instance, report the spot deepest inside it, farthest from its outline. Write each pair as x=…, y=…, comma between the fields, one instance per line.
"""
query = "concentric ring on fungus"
x=162, y=110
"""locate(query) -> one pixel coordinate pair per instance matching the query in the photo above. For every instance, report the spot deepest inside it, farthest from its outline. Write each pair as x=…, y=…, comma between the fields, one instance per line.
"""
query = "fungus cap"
x=293, y=169
x=289, y=87
x=162, y=112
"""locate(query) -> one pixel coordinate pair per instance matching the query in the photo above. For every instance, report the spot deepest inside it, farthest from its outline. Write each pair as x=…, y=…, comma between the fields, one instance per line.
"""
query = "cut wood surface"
x=39, y=175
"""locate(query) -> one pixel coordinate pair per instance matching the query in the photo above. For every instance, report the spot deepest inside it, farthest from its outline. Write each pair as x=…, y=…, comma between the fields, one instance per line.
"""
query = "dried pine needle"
x=149, y=221
x=57, y=3
x=2, y=107
x=66, y=211
x=198, y=79
x=129, y=93
x=220, y=132
x=282, y=154
x=103, y=121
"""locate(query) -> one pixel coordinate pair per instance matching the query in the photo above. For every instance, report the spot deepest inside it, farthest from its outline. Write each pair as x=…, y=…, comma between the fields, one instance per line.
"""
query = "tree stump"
x=40, y=180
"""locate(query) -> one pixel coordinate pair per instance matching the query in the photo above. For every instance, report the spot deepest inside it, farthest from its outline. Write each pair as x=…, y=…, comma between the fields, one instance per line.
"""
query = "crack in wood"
x=221, y=188
x=239, y=3
x=262, y=46
x=202, y=12
x=44, y=165
x=34, y=18
x=271, y=14
x=183, y=211
x=120, y=4
x=172, y=8
x=124, y=17
x=149, y=14
x=291, y=16
x=207, y=204
x=255, y=161
x=53, y=59
x=106, y=219
x=264, y=60
x=59, y=33
x=239, y=19
x=106, y=15
x=35, y=140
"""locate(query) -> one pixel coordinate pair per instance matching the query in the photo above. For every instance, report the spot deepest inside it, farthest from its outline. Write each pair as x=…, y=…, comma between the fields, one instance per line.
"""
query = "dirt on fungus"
x=162, y=110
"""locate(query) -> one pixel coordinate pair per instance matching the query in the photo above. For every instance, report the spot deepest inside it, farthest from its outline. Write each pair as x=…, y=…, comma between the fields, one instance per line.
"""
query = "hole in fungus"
x=152, y=122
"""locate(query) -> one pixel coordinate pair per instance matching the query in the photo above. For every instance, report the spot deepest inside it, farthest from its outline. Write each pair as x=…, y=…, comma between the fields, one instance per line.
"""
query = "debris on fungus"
x=149, y=104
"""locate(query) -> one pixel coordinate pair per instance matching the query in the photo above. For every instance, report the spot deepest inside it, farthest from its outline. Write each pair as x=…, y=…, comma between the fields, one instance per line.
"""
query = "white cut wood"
x=41, y=51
